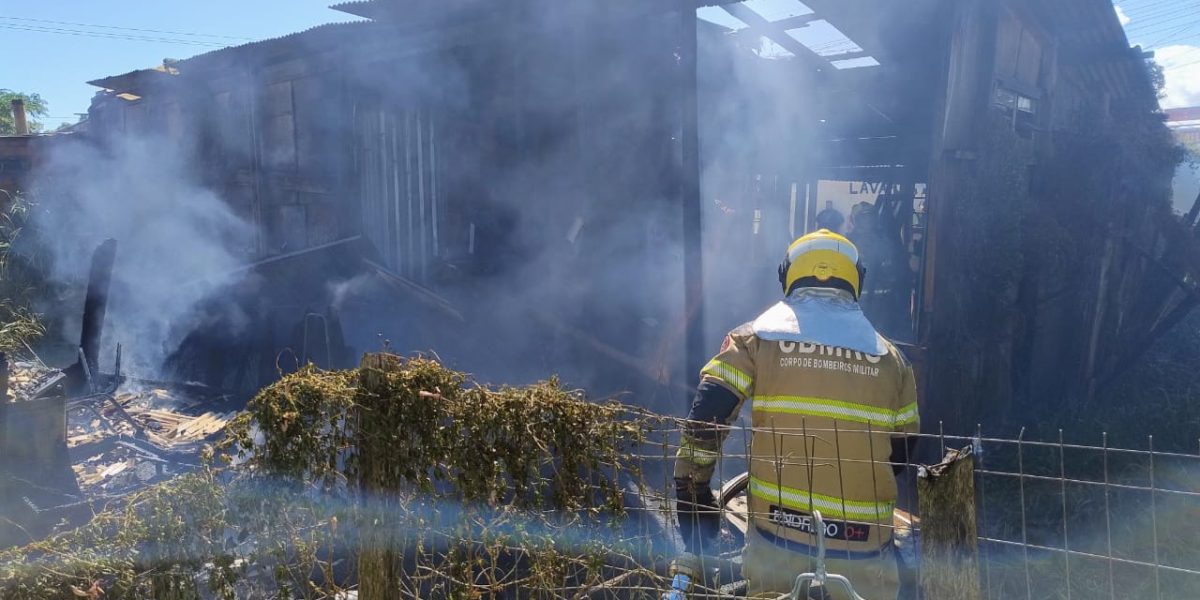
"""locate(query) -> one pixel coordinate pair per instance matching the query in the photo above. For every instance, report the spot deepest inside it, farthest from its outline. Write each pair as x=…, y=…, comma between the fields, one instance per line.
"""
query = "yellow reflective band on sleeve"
x=830, y=507
x=695, y=455
x=907, y=415
x=834, y=409
x=727, y=373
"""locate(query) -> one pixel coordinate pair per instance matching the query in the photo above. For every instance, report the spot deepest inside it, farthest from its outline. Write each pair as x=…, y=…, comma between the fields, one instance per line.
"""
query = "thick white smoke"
x=177, y=242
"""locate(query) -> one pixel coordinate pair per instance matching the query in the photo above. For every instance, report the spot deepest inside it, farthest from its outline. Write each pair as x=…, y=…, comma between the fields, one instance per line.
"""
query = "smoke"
x=564, y=250
x=342, y=291
x=176, y=241
x=560, y=242
x=758, y=125
x=547, y=178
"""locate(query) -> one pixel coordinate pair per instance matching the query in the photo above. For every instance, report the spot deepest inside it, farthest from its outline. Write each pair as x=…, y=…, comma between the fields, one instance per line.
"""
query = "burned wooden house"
x=600, y=189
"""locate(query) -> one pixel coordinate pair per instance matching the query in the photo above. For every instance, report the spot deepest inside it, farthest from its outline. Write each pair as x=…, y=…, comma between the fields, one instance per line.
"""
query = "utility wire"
x=114, y=36
x=1171, y=40
x=1161, y=28
x=208, y=35
x=1172, y=26
x=1158, y=5
x=1186, y=64
x=1154, y=16
x=1184, y=52
x=1143, y=21
x=1189, y=49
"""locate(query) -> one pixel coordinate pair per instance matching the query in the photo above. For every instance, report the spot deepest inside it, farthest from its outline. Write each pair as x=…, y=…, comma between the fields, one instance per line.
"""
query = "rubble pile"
x=118, y=471
x=170, y=425
x=169, y=419
x=111, y=455
x=25, y=378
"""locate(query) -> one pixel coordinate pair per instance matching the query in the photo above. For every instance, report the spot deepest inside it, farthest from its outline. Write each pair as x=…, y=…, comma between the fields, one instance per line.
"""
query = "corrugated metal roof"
x=416, y=11
x=328, y=34
x=359, y=8
x=134, y=80
x=1091, y=31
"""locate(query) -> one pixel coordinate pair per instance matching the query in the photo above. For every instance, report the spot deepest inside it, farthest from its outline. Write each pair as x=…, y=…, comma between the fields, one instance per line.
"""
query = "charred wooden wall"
x=516, y=155
x=20, y=156
x=1030, y=279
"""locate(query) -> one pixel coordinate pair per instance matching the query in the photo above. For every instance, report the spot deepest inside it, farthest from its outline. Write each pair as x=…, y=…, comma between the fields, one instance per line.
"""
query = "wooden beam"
x=797, y=21
x=691, y=204
x=1194, y=212
x=1082, y=55
x=846, y=55
x=778, y=35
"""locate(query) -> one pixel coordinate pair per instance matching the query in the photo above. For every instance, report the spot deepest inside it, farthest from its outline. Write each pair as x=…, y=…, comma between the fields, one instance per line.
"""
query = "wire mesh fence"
x=1094, y=521
x=1053, y=519
x=388, y=483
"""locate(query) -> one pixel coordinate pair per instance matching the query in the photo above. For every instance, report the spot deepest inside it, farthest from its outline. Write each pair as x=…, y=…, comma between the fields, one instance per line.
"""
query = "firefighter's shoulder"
x=896, y=349
x=744, y=330
x=742, y=335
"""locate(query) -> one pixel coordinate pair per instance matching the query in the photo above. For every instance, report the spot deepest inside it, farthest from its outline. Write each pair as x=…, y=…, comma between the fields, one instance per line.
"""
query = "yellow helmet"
x=822, y=259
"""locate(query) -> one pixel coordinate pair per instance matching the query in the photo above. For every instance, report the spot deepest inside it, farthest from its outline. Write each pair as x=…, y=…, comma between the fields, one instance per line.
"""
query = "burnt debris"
x=74, y=438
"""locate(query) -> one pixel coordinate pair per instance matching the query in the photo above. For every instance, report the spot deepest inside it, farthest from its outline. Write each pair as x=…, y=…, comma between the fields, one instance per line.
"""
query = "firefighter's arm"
x=908, y=419
x=725, y=383
x=713, y=408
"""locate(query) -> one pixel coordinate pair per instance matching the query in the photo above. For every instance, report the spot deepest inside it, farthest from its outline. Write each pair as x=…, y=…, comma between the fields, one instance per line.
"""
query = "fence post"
x=3, y=377
x=378, y=568
x=949, y=544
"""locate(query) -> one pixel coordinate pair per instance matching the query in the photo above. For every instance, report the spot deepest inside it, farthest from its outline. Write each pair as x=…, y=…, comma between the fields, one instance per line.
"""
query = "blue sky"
x=57, y=60
x=60, y=44
x=1171, y=28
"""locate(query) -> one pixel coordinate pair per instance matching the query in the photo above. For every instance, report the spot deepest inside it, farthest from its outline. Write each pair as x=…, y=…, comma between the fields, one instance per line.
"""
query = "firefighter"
x=831, y=403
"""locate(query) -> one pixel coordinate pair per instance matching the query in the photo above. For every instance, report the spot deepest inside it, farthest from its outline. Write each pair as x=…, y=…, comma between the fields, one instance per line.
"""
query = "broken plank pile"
x=183, y=429
x=113, y=457
x=170, y=420
x=119, y=470
x=25, y=378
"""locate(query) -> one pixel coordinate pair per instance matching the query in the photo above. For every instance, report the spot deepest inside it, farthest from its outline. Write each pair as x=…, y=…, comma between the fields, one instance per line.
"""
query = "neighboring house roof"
x=1178, y=116
x=329, y=35
x=134, y=81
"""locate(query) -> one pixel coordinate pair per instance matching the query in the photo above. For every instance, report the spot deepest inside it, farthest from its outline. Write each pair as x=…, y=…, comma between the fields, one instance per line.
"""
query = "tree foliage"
x=20, y=280
x=1158, y=78
x=35, y=108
